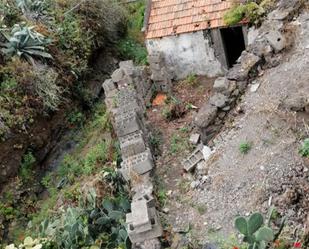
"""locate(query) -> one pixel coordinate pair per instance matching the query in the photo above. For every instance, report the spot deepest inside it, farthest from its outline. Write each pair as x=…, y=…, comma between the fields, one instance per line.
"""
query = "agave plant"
x=25, y=42
x=30, y=5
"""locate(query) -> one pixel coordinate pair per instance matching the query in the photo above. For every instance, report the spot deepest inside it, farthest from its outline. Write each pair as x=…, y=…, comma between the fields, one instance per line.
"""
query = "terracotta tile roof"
x=169, y=17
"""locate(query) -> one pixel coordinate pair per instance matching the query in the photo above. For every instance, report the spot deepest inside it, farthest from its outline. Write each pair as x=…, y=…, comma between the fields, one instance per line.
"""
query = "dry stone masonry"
x=126, y=95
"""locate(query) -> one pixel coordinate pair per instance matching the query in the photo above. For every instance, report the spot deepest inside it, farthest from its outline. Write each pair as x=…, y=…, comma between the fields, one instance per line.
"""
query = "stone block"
x=117, y=75
x=132, y=144
x=133, y=105
x=140, y=163
x=127, y=123
x=126, y=95
x=205, y=115
x=276, y=40
x=219, y=100
x=224, y=86
x=191, y=162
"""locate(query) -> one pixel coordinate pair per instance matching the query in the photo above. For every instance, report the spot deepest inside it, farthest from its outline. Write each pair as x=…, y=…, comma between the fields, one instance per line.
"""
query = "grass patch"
x=245, y=147
x=179, y=143
x=304, y=149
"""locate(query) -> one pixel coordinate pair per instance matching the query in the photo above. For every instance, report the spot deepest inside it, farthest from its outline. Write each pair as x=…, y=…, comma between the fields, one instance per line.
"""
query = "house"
x=192, y=36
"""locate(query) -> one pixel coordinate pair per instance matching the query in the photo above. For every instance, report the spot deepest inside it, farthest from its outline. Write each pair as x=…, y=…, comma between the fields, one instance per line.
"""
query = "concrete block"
x=143, y=223
x=127, y=67
x=133, y=105
x=127, y=123
x=132, y=144
x=149, y=244
x=117, y=75
x=191, y=162
x=194, y=138
x=125, y=82
x=109, y=87
x=140, y=163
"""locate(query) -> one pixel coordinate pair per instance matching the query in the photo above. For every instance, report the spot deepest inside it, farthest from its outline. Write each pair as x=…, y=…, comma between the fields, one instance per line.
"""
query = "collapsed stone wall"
x=263, y=51
x=126, y=95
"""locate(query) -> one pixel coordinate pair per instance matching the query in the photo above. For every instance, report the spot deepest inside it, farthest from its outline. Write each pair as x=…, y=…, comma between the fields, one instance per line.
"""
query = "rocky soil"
x=273, y=118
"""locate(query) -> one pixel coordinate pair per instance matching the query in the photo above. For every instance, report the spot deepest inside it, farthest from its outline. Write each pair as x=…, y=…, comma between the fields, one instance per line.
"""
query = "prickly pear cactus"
x=255, y=233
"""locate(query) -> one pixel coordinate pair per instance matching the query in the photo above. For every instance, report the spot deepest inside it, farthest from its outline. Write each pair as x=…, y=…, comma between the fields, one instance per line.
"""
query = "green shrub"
x=26, y=166
x=130, y=49
x=245, y=147
x=304, y=150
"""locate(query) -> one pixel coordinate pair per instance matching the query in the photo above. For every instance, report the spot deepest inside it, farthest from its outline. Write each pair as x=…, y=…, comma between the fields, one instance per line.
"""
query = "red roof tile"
x=169, y=17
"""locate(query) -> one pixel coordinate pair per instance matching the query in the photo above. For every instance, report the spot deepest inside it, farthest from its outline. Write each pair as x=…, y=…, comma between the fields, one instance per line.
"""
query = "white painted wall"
x=187, y=53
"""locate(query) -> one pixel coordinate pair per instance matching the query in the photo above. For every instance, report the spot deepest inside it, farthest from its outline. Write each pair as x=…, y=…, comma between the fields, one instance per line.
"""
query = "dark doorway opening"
x=234, y=43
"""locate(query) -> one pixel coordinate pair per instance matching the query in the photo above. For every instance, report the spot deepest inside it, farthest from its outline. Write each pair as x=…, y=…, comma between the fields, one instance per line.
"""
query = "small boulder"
x=219, y=100
x=206, y=115
x=276, y=40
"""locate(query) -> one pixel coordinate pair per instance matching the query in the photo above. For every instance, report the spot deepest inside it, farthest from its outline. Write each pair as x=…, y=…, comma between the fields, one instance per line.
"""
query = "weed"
x=201, y=209
x=26, y=166
x=162, y=197
x=191, y=79
x=304, y=150
x=245, y=147
x=155, y=141
x=179, y=144
x=76, y=118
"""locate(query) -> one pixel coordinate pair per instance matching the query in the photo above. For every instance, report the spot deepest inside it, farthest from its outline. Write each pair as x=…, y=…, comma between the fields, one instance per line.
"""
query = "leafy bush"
x=304, y=150
x=25, y=42
x=133, y=50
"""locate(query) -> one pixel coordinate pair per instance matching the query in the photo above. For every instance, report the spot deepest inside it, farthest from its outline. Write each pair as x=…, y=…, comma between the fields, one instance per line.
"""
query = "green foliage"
x=179, y=143
x=132, y=46
x=25, y=42
x=26, y=166
x=133, y=50
x=96, y=156
x=256, y=234
x=76, y=118
x=9, y=13
x=245, y=147
x=251, y=12
x=191, y=79
x=304, y=149
x=31, y=5
x=30, y=243
x=92, y=223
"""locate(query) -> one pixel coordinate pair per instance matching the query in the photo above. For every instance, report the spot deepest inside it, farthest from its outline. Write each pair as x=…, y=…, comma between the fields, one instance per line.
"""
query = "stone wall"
x=126, y=95
x=185, y=54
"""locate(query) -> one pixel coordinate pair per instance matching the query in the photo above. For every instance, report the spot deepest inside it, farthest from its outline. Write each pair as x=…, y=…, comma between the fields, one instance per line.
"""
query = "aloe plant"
x=256, y=234
x=25, y=42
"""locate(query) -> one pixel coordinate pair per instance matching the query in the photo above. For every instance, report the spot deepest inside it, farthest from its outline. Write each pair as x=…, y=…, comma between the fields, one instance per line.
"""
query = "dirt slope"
x=272, y=171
